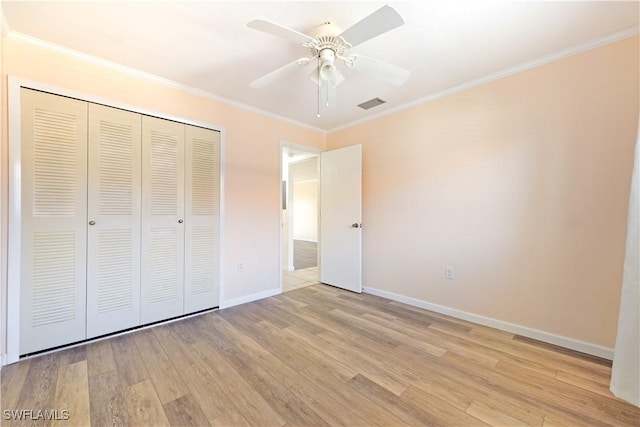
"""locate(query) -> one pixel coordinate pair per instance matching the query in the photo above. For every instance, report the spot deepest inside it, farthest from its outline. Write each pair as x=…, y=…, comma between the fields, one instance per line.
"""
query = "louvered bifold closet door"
x=114, y=212
x=162, y=281
x=54, y=220
x=202, y=219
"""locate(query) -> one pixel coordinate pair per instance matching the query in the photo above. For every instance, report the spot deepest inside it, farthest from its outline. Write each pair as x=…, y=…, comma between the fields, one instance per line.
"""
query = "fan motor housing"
x=327, y=29
x=327, y=36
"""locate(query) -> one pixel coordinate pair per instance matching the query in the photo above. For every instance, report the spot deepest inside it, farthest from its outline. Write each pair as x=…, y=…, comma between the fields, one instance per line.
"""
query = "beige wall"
x=305, y=211
x=252, y=154
x=521, y=185
x=304, y=176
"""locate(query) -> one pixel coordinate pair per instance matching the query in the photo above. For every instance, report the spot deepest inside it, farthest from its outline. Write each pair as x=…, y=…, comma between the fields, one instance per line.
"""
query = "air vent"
x=374, y=102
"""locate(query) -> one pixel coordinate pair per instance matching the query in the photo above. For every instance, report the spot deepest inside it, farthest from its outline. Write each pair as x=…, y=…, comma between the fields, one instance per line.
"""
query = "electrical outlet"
x=240, y=267
x=449, y=273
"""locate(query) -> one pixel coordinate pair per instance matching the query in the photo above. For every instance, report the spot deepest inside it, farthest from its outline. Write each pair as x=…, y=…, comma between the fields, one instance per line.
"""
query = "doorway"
x=300, y=208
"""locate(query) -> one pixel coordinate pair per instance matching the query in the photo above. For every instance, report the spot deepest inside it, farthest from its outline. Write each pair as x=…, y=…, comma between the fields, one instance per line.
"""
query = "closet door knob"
x=92, y=223
x=180, y=221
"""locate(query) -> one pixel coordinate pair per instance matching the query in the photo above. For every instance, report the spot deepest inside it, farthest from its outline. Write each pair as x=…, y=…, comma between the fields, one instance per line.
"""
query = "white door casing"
x=341, y=218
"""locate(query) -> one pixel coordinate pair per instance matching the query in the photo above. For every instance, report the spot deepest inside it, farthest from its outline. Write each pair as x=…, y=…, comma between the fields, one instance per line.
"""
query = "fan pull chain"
x=327, y=103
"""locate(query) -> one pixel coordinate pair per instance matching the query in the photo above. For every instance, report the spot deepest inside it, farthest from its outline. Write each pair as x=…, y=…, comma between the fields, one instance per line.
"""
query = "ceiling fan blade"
x=279, y=73
x=378, y=69
x=382, y=20
x=280, y=31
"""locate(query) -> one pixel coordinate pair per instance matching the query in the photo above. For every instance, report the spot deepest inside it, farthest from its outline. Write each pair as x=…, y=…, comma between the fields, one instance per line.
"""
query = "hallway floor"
x=305, y=254
x=292, y=280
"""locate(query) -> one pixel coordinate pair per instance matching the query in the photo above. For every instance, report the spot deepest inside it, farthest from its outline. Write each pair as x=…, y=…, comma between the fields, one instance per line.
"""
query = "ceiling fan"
x=328, y=43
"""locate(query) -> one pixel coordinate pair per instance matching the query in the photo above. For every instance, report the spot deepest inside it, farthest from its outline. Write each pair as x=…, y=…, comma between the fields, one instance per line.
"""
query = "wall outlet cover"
x=449, y=273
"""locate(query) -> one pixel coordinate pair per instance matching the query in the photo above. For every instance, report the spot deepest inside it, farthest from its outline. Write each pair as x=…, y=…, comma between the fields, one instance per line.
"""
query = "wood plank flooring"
x=316, y=356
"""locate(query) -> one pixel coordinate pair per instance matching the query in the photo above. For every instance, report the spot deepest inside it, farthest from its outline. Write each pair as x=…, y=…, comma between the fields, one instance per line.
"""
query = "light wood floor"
x=313, y=357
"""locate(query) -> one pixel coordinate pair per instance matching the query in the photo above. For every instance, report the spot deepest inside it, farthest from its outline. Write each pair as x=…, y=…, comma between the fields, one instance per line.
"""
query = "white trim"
x=311, y=152
x=302, y=157
x=562, y=341
x=14, y=35
x=553, y=57
x=250, y=298
x=222, y=218
x=3, y=248
x=300, y=147
x=15, y=215
x=14, y=223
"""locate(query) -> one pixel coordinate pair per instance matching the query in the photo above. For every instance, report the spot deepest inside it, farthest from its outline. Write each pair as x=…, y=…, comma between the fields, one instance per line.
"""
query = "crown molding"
x=553, y=57
x=14, y=35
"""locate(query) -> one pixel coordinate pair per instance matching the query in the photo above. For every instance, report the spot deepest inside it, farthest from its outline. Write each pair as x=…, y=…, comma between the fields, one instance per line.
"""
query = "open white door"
x=340, y=218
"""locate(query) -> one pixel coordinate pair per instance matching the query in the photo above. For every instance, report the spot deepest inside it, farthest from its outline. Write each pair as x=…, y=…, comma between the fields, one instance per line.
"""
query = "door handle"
x=92, y=223
x=356, y=225
x=180, y=221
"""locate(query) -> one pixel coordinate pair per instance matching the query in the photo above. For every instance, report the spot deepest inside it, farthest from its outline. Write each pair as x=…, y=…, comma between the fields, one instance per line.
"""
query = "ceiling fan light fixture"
x=327, y=71
x=327, y=67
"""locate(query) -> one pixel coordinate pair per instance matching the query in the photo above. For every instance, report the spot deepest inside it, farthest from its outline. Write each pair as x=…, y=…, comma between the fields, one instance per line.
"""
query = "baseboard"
x=3, y=359
x=249, y=298
x=562, y=341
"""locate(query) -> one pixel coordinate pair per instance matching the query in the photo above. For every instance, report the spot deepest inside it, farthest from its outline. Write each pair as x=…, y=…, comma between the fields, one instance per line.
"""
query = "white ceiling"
x=206, y=44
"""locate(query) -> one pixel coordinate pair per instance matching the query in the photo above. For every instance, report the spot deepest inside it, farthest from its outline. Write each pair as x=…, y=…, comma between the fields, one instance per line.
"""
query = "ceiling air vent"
x=374, y=102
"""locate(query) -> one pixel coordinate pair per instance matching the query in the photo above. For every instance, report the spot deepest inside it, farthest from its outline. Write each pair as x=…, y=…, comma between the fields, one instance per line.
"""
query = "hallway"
x=305, y=261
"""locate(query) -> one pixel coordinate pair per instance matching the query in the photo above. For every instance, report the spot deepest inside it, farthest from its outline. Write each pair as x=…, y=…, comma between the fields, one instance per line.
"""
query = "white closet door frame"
x=12, y=296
